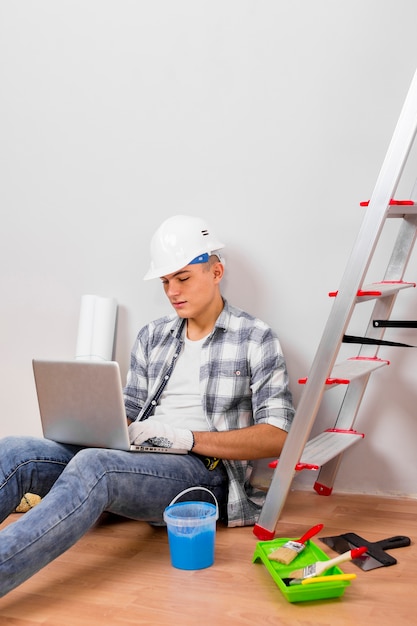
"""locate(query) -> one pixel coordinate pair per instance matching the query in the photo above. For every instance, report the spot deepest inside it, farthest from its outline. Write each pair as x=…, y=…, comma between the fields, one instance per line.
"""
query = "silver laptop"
x=81, y=403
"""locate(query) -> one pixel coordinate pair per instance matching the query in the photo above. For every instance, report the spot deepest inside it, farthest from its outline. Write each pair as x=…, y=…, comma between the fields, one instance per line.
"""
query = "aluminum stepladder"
x=325, y=451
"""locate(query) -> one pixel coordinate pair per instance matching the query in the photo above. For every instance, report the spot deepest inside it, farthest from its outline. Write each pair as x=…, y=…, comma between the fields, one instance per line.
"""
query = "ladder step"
x=316, y=453
x=402, y=210
x=328, y=445
x=355, y=367
x=346, y=371
x=378, y=290
x=383, y=288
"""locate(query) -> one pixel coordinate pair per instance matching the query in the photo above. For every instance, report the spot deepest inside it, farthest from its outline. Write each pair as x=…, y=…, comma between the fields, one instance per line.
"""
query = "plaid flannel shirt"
x=243, y=381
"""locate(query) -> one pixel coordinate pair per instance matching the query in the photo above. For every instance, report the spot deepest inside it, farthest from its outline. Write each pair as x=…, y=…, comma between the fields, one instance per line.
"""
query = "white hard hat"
x=180, y=241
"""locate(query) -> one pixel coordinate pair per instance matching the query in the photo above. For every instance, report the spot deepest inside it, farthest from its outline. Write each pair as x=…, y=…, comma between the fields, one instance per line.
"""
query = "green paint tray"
x=310, y=554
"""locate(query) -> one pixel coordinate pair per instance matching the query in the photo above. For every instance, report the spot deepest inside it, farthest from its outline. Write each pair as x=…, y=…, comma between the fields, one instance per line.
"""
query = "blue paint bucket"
x=191, y=531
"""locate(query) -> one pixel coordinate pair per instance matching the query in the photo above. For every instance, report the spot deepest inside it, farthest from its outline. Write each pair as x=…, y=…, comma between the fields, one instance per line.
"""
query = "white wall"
x=271, y=118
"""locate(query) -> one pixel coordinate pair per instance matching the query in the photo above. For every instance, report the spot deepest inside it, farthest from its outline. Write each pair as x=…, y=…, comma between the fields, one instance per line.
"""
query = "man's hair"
x=213, y=258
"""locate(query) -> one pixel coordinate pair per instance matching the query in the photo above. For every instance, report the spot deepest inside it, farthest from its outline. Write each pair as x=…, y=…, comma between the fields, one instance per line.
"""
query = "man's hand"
x=160, y=434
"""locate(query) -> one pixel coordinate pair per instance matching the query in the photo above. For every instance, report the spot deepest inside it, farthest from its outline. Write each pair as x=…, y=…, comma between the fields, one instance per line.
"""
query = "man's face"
x=192, y=289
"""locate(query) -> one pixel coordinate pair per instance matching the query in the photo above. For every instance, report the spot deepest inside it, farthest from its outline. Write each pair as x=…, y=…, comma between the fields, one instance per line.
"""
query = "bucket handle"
x=182, y=493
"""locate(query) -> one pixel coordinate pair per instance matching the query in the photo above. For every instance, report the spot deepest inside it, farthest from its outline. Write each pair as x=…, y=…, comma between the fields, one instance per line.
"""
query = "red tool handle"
x=310, y=533
x=358, y=552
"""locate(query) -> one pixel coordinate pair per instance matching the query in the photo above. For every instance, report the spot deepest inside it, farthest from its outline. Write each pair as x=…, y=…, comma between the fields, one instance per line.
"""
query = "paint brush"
x=317, y=568
x=318, y=579
x=286, y=553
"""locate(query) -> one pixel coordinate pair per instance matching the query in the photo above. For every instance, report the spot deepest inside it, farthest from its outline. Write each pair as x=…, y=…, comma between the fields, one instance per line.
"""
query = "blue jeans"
x=76, y=486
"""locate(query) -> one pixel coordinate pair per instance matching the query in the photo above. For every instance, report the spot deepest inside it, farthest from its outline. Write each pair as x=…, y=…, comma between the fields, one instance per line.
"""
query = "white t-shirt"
x=180, y=402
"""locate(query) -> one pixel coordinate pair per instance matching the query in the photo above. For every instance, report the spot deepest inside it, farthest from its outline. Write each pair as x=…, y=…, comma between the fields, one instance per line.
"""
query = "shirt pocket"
x=233, y=387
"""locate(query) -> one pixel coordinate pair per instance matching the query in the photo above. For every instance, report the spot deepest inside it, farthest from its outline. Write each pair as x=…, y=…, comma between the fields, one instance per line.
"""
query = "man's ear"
x=218, y=270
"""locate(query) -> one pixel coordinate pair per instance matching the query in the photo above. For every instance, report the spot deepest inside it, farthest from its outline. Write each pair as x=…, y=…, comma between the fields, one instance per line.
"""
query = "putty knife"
x=375, y=556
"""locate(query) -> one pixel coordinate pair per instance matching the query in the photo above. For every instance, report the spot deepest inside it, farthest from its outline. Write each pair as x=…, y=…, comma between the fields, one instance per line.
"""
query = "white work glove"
x=160, y=434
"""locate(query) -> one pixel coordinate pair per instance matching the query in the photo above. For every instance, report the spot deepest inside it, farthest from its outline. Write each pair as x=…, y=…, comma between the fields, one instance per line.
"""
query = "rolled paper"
x=96, y=328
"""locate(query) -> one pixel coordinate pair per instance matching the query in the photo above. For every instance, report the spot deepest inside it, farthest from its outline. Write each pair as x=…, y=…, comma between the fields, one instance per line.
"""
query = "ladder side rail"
x=354, y=394
x=345, y=421
x=327, y=476
x=395, y=271
x=322, y=365
x=306, y=412
x=382, y=310
x=356, y=269
x=403, y=248
x=349, y=408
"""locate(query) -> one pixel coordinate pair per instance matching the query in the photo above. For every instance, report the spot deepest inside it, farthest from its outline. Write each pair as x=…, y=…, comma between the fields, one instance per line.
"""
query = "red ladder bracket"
x=298, y=467
x=329, y=381
x=322, y=490
x=263, y=533
x=392, y=202
x=369, y=358
x=360, y=293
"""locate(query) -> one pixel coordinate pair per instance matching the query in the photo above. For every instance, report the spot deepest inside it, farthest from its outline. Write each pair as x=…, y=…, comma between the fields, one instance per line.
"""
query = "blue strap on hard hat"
x=201, y=258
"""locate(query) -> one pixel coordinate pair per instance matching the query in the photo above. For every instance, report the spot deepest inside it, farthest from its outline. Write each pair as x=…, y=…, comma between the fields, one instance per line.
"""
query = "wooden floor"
x=120, y=574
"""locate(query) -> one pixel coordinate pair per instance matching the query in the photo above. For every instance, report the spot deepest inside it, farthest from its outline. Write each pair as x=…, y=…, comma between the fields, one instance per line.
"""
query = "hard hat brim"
x=170, y=269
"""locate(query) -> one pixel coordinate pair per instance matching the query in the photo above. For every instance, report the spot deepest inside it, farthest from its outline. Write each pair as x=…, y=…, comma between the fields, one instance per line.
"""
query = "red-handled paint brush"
x=317, y=568
x=286, y=553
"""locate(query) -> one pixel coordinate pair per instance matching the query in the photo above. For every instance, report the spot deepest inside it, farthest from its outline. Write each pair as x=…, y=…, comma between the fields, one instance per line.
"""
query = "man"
x=209, y=378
